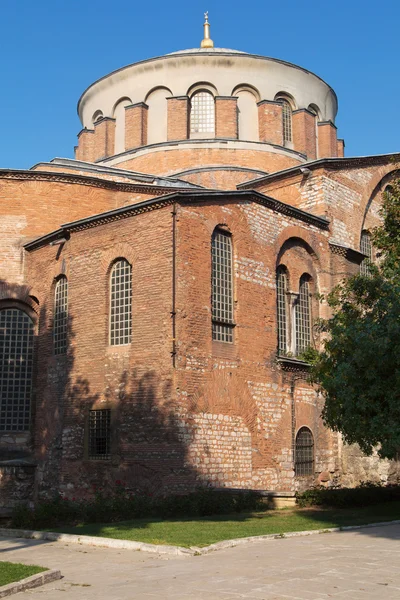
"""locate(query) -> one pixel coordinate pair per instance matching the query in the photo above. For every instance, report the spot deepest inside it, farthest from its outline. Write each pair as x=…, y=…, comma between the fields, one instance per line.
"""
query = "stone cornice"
x=350, y=254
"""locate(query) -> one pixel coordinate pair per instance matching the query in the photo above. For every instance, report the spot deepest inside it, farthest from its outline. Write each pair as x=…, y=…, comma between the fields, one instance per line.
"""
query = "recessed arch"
x=247, y=111
x=119, y=116
x=288, y=97
x=97, y=116
x=202, y=85
x=313, y=108
x=156, y=100
x=154, y=89
x=246, y=87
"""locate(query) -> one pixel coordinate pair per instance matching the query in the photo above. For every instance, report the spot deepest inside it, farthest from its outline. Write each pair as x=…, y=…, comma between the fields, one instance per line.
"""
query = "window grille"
x=304, y=453
x=366, y=248
x=202, y=114
x=222, y=287
x=287, y=120
x=281, y=299
x=303, y=317
x=60, y=316
x=121, y=303
x=99, y=434
x=16, y=364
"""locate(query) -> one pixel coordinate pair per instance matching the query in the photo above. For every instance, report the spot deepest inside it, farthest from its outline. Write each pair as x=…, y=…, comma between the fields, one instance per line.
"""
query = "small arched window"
x=97, y=116
x=16, y=366
x=60, y=316
x=281, y=302
x=121, y=303
x=303, y=316
x=202, y=113
x=222, y=287
x=304, y=453
x=366, y=248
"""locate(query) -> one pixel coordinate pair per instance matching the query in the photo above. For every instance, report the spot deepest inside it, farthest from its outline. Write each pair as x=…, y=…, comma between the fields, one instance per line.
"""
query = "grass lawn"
x=208, y=530
x=10, y=572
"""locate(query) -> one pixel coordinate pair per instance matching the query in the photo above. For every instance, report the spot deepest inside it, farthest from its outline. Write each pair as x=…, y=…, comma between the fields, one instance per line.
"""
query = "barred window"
x=366, y=248
x=60, y=316
x=121, y=303
x=202, y=114
x=303, y=316
x=304, y=453
x=287, y=120
x=281, y=300
x=222, y=287
x=100, y=434
x=16, y=365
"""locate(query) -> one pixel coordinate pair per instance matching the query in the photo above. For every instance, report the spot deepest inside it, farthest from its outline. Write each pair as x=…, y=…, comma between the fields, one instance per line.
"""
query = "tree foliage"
x=358, y=370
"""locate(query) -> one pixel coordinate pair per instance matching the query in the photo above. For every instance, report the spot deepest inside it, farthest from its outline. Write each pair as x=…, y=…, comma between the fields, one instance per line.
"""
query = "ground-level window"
x=304, y=453
x=100, y=434
x=16, y=366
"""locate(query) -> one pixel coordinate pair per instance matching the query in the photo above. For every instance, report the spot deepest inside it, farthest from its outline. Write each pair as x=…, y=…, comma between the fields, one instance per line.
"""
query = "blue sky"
x=52, y=50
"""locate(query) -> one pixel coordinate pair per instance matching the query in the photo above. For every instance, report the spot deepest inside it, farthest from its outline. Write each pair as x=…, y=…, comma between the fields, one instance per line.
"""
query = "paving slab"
x=357, y=565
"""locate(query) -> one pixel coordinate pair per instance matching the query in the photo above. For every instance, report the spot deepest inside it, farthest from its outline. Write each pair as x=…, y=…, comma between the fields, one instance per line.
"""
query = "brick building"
x=157, y=292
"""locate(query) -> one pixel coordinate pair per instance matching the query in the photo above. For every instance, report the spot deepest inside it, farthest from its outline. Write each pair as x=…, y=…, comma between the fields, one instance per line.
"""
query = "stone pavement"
x=357, y=565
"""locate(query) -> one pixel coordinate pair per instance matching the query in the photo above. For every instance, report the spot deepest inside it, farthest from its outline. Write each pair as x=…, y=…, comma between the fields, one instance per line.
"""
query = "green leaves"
x=358, y=370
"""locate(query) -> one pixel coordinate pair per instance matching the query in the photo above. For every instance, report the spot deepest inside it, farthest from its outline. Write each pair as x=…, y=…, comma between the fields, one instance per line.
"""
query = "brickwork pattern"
x=178, y=118
x=270, y=122
x=226, y=117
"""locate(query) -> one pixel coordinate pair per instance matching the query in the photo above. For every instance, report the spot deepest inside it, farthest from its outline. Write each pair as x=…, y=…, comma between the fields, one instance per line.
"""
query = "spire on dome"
x=207, y=41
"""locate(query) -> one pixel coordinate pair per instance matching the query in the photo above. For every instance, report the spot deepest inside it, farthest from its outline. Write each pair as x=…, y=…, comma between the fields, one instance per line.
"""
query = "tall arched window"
x=281, y=302
x=121, y=303
x=16, y=365
x=303, y=316
x=304, y=453
x=222, y=287
x=202, y=113
x=60, y=316
x=366, y=248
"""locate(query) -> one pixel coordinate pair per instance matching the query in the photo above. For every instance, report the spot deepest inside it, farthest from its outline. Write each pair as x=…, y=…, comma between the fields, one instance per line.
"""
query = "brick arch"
x=120, y=250
x=375, y=185
x=20, y=294
x=299, y=233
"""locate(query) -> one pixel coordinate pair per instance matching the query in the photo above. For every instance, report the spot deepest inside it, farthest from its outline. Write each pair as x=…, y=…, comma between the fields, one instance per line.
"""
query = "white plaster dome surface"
x=223, y=69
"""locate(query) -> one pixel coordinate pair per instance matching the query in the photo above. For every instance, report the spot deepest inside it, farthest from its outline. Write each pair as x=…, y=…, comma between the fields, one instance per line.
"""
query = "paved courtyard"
x=357, y=565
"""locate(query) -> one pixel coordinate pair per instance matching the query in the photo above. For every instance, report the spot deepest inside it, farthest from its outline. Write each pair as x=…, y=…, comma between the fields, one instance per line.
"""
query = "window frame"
x=367, y=249
x=282, y=310
x=114, y=333
x=303, y=316
x=310, y=469
x=199, y=132
x=98, y=414
x=60, y=318
x=222, y=327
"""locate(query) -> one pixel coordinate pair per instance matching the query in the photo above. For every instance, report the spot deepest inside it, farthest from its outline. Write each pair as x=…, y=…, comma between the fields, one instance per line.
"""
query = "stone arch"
x=156, y=100
x=119, y=116
x=97, y=116
x=247, y=111
x=382, y=178
x=200, y=86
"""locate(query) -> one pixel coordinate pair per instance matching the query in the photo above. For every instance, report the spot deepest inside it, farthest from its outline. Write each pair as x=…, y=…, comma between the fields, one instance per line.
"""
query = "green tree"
x=358, y=370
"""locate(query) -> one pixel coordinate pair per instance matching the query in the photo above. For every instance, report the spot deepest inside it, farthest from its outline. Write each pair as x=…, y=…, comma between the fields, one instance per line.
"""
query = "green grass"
x=10, y=572
x=208, y=530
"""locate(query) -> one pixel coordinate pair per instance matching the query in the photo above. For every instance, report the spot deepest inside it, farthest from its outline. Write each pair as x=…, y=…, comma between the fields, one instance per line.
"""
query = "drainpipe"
x=173, y=308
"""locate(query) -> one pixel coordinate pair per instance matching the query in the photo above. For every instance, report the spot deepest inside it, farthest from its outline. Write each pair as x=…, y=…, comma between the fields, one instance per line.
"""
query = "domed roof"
x=212, y=50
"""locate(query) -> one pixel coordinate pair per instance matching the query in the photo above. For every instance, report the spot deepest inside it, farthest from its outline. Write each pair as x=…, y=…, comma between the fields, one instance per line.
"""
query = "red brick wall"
x=178, y=118
x=226, y=117
x=327, y=140
x=104, y=138
x=136, y=116
x=304, y=132
x=270, y=122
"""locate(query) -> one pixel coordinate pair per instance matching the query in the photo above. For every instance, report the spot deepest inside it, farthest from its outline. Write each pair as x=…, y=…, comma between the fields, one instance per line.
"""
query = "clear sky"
x=51, y=50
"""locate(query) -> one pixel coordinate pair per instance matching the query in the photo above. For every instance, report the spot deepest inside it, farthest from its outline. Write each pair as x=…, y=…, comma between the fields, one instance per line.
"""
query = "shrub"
x=366, y=494
x=121, y=504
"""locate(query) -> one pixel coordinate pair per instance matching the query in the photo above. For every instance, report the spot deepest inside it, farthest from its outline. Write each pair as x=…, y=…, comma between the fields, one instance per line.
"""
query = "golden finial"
x=207, y=41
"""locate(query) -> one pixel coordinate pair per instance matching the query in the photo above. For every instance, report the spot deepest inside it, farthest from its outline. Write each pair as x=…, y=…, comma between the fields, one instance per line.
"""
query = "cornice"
x=350, y=254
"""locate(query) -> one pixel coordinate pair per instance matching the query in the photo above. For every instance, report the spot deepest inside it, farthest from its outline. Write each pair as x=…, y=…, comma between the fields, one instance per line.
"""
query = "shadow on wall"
x=148, y=437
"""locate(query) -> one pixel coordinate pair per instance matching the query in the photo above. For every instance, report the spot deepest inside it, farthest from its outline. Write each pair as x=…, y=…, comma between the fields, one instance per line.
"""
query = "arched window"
x=303, y=316
x=97, y=116
x=202, y=113
x=281, y=302
x=60, y=316
x=121, y=303
x=16, y=365
x=304, y=453
x=366, y=248
x=222, y=287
